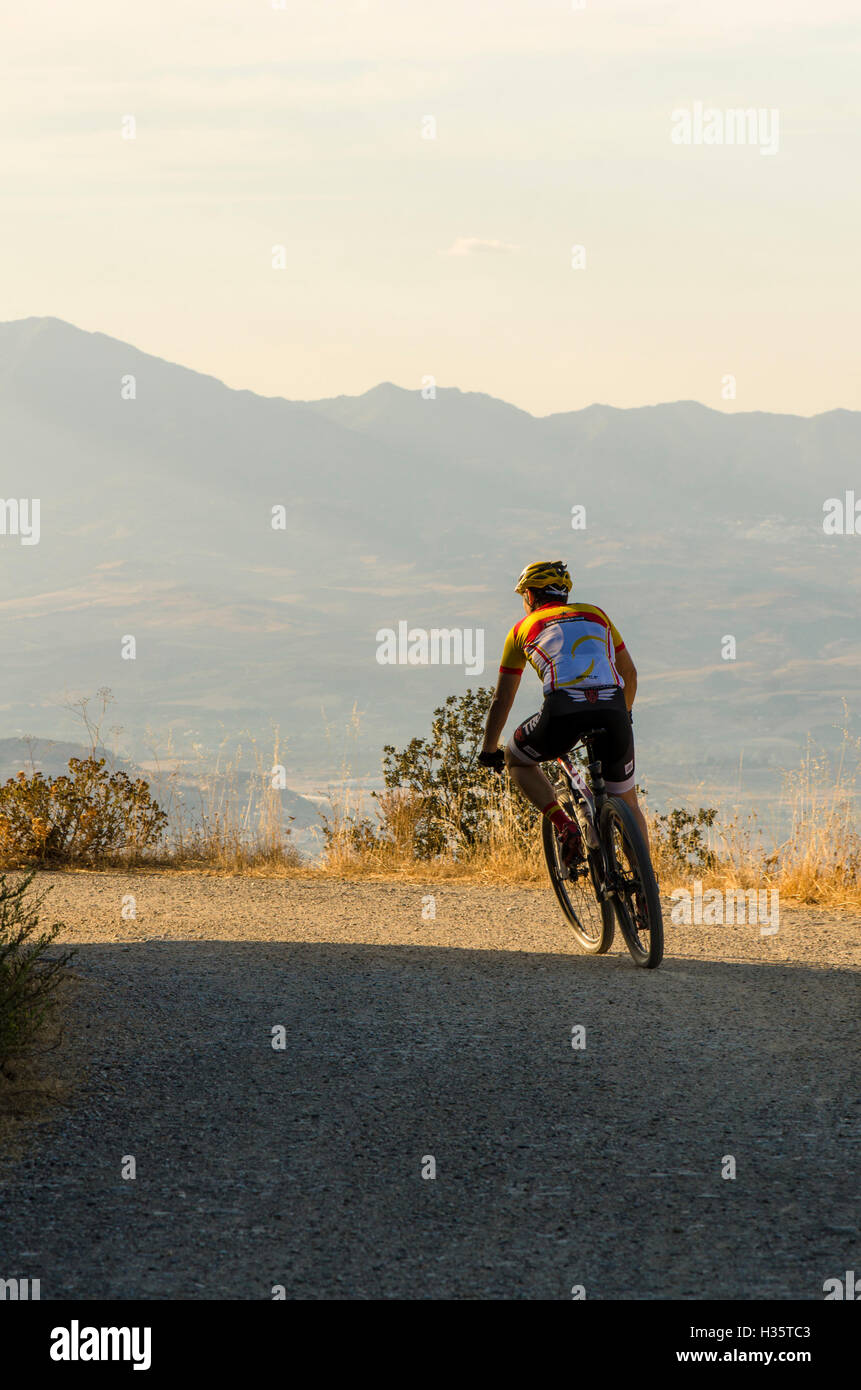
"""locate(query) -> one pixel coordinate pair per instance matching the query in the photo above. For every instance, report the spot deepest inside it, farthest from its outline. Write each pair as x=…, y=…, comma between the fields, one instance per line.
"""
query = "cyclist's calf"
x=630, y=797
x=530, y=780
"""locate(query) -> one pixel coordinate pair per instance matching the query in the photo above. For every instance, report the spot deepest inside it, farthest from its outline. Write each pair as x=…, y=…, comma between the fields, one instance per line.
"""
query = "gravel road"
x=409, y=1039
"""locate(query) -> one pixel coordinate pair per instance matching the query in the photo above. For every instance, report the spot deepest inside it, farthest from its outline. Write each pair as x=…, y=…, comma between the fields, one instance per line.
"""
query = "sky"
x=708, y=271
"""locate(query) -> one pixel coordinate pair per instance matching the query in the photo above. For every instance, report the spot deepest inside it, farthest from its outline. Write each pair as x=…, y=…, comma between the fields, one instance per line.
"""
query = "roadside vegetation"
x=96, y=816
x=440, y=815
x=31, y=971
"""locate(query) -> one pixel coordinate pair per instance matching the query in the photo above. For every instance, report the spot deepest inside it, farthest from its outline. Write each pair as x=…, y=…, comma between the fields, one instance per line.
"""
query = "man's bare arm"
x=628, y=671
x=500, y=708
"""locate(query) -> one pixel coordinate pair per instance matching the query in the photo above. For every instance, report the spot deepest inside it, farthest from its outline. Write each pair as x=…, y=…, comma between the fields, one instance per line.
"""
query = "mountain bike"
x=615, y=881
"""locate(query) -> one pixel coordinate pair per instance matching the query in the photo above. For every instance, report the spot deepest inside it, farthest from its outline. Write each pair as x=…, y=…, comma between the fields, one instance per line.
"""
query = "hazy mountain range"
x=156, y=523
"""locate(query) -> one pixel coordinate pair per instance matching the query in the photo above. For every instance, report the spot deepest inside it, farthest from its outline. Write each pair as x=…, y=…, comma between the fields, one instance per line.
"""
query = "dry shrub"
x=89, y=815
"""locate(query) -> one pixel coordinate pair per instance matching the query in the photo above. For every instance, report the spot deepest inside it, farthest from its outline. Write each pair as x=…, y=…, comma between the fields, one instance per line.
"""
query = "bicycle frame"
x=591, y=799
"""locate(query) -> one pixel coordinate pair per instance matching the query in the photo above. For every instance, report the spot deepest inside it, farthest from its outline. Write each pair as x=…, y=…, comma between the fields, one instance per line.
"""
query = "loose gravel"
x=428, y=1028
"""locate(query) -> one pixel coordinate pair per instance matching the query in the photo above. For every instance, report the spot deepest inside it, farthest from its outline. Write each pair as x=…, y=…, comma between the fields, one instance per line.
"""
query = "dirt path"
x=449, y=1038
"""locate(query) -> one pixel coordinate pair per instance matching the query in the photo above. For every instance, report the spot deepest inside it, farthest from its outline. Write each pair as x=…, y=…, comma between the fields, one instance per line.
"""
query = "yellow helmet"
x=545, y=574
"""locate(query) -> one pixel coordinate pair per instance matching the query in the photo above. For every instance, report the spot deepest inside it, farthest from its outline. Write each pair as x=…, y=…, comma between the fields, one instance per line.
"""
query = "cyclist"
x=589, y=682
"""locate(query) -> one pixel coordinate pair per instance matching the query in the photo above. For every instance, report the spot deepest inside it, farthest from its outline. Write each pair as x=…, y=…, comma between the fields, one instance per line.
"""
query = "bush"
x=90, y=813
x=443, y=775
x=679, y=840
x=439, y=800
x=28, y=977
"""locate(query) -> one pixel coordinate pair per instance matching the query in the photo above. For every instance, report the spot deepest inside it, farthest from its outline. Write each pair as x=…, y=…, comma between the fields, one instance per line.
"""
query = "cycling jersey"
x=570, y=645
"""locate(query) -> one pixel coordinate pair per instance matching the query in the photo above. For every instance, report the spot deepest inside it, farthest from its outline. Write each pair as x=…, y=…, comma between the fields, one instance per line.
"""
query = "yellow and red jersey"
x=571, y=645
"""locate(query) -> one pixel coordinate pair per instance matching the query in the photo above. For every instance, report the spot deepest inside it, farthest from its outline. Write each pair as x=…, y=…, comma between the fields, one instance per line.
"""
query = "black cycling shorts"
x=561, y=722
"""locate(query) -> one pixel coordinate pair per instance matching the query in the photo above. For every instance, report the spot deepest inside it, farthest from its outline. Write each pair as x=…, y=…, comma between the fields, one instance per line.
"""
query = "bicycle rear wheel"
x=591, y=920
x=637, y=901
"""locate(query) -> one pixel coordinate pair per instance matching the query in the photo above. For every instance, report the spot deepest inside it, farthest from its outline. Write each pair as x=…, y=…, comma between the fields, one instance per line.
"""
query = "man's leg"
x=528, y=748
x=538, y=789
x=617, y=755
x=630, y=797
x=529, y=778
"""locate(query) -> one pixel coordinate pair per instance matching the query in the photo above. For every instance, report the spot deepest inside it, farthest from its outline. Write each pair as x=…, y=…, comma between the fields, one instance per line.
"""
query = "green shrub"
x=90, y=813
x=439, y=800
x=28, y=976
x=680, y=842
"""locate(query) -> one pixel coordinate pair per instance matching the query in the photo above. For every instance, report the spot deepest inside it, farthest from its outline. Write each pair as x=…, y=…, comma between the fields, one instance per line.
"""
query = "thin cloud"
x=475, y=245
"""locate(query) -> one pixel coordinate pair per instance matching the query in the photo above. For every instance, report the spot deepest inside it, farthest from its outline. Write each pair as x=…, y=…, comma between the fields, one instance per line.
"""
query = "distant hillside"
x=155, y=523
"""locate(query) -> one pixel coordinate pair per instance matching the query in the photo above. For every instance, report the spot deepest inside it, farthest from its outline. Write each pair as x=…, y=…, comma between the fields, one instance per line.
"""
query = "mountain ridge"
x=157, y=521
x=447, y=391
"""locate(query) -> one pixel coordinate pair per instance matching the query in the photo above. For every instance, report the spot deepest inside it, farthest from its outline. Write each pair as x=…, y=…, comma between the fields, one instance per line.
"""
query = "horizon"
x=305, y=199
x=500, y=400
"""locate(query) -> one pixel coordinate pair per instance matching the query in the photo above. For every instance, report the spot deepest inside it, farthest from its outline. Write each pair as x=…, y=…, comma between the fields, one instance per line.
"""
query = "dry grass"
x=384, y=848
x=238, y=827
x=235, y=824
x=818, y=861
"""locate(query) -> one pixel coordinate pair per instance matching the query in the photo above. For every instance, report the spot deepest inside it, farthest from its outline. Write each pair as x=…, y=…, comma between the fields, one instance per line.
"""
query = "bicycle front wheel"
x=636, y=899
x=591, y=920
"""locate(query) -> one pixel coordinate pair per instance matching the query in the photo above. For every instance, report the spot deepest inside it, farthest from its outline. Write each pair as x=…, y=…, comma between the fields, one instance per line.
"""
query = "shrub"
x=79, y=817
x=679, y=840
x=28, y=977
x=438, y=799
